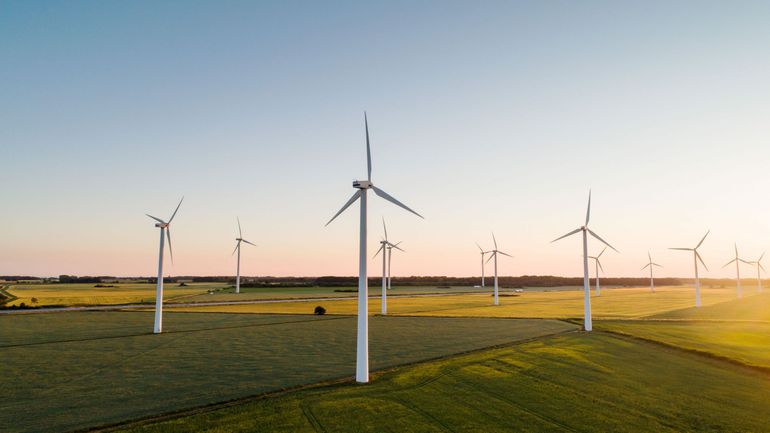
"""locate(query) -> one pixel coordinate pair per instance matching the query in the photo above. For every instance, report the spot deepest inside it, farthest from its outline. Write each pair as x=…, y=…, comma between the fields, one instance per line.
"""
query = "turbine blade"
x=240, y=235
x=170, y=250
x=655, y=264
x=649, y=256
x=704, y=238
x=156, y=219
x=385, y=228
x=760, y=257
x=598, y=262
x=588, y=211
x=382, y=245
x=491, y=256
x=352, y=199
x=568, y=234
x=645, y=266
x=681, y=249
x=368, y=150
x=397, y=247
x=237, y=244
x=175, y=210
x=390, y=198
x=494, y=240
x=602, y=240
x=244, y=240
x=480, y=249
x=761, y=267
x=600, y=254
x=728, y=263
x=701, y=260
x=505, y=254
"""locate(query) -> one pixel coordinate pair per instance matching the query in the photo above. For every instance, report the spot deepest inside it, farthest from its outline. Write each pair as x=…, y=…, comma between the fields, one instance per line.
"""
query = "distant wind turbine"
x=737, y=261
x=598, y=265
x=165, y=231
x=483, y=253
x=238, y=241
x=494, y=253
x=587, y=322
x=385, y=247
x=390, y=260
x=650, y=264
x=758, y=263
x=362, y=339
x=696, y=258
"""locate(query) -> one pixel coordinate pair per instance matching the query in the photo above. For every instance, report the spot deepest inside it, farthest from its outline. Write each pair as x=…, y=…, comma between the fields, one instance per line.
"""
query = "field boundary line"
x=328, y=383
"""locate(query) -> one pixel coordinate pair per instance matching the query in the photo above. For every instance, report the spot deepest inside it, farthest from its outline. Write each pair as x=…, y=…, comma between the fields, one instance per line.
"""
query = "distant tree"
x=319, y=310
x=34, y=300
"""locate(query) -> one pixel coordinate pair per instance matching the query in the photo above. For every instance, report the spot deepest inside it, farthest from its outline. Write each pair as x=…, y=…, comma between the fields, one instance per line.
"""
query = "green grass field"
x=572, y=383
x=87, y=294
x=66, y=371
x=613, y=303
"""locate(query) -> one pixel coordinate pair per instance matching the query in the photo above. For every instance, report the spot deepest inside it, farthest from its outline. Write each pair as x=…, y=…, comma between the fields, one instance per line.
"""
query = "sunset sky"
x=483, y=116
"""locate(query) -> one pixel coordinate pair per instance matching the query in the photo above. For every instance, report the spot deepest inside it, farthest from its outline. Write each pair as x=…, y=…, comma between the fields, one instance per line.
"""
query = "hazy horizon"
x=483, y=117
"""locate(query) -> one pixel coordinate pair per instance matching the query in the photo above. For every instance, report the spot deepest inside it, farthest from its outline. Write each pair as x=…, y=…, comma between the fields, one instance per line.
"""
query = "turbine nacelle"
x=362, y=184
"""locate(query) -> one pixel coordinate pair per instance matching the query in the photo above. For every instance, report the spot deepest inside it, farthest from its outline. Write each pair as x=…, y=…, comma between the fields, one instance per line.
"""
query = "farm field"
x=613, y=303
x=757, y=308
x=575, y=382
x=87, y=294
x=67, y=371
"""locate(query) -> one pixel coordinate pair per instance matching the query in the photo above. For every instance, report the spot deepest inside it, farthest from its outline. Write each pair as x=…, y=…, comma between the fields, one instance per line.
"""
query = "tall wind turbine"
x=385, y=248
x=362, y=186
x=696, y=258
x=238, y=242
x=494, y=253
x=587, y=322
x=737, y=261
x=483, y=253
x=758, y=263
x=598, y=265
x=165, y=231
x=651, y=264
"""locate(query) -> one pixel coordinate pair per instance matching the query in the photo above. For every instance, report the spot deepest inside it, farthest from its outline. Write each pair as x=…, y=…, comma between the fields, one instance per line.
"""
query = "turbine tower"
x=587, y=322
x=483, y=253
x=238, y=241
x=362, y=186
x=758, y=263
x=737, y=261
x=650, y=264
x=696, y=258
x=165, y=231
x=385, y=248
x=598, y=265
x=390, y=260
x=494, y=253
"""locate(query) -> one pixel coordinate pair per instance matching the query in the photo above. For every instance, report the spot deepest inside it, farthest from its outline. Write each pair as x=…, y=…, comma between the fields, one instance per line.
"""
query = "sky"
x=484, y=116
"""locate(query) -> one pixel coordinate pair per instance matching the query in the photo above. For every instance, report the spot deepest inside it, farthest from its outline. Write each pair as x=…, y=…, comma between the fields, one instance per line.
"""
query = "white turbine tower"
x=696, y=258
x=758, y=263
x=587, y=322
x=737, y=261
x=651, y=264
x=494, y=253
x=385, y=248
x=362, y=340
x=165, y=231
x=598, y=265
x=238, y=242
x=483, y=253
x=390, y=260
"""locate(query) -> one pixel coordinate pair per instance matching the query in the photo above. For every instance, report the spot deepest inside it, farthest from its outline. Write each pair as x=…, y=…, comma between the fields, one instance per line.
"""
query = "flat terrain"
x=572, y=383
x=88, y=294
x=66, y=371
x=613, y=303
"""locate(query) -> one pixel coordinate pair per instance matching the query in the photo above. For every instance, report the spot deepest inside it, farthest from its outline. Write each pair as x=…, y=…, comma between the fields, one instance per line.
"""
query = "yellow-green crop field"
x=87, y=294
x=613, y=303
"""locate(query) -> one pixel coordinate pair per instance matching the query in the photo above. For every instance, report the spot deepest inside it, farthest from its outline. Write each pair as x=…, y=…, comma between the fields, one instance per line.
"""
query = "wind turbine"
x=385, y=247
x=758, y=262
x=587, y=322
x=598, y=265
x=483, y=253
x=651, y=264
x=494, y=253
x=238, y=241
x=737, y=261
x=390, y=260
x=165, y=231
x=696, y=258
x=362, y=186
